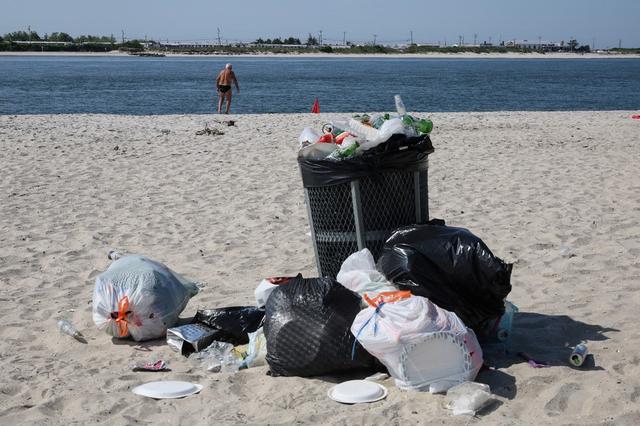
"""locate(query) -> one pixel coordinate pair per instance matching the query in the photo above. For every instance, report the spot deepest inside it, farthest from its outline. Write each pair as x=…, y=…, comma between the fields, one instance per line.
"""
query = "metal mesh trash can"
x=358, y=202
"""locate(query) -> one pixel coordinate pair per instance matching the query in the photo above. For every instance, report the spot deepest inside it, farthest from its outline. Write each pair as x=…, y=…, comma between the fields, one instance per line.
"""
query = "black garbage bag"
x=398, y=153
x=307, y=328
x=451, y=267
x=233, y=323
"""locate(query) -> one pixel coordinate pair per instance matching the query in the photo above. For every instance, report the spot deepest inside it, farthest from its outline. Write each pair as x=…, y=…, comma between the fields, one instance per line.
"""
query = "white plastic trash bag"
x=139, y=297
x=358, y=273
x=263, y=291
x=424, y=347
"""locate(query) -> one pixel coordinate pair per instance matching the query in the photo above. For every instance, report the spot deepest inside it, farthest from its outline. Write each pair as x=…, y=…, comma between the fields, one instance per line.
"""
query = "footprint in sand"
x=559, y=403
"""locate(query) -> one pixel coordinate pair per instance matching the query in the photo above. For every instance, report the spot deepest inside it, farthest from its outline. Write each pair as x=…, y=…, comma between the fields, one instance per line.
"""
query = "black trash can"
x=357, y=202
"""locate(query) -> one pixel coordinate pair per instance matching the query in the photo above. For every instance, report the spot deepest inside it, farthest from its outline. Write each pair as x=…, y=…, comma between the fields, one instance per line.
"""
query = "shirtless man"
x=223, y=83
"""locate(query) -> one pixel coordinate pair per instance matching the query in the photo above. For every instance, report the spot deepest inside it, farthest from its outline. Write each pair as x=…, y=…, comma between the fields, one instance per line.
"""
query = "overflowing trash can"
x=357, y=202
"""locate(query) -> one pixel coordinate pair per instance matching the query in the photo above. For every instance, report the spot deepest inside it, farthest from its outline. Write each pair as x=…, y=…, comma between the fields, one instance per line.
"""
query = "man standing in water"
x=223, y=83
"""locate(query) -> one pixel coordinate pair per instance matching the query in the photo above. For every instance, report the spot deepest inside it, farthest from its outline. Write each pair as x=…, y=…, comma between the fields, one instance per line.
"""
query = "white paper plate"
x=357, y=391
x=167, y=389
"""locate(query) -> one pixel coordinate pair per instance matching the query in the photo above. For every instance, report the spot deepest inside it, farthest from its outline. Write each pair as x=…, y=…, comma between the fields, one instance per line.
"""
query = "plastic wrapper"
x=233, y=323
x=451, y=267
x=307, y=137
x=468, y=398
x=256, y=350
x=139, y=297
x=423, y=346
x=399, y=153
x=217, y=357
x=190, y=338
x=307, y=326
x=358, y=273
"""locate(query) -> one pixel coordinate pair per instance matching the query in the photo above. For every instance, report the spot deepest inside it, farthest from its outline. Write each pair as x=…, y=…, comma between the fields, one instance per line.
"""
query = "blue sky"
x=391, y=21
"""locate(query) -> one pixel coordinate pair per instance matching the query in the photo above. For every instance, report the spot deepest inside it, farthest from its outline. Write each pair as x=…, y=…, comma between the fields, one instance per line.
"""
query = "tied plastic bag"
x=451, y=267
x=307, y=329
x=358, y=274
x=139, y=297
x=424, y=347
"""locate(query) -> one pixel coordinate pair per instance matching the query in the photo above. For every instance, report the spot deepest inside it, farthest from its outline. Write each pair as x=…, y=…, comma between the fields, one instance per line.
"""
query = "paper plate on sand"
x=167, y=389
x=357, y=391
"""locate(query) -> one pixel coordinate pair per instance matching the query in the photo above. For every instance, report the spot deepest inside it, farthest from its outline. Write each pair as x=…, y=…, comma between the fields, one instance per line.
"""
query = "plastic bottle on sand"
x=67, y=328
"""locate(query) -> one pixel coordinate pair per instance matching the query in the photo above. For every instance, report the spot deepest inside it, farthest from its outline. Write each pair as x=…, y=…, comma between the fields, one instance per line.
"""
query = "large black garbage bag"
x=233, y=323
x=398, y=153
x=307, y=327
x=451, y=267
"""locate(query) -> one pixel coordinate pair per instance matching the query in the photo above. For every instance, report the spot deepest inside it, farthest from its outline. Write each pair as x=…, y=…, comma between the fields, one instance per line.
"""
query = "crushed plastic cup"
x=468, y=398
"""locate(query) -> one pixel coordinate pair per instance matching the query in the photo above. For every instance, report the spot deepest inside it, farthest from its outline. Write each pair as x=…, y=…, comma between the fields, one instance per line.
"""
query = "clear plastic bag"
x=139, y=297
x=308, y=137
x=467, y=398
x=217, y=357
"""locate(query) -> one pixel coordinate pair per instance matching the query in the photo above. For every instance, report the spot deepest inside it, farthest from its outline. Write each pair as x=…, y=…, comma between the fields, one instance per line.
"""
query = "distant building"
x=545, y=46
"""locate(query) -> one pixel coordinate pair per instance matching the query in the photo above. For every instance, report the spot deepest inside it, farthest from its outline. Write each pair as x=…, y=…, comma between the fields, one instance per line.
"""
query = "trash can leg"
x=313, y=232
x=421, y=196
x=357, y=213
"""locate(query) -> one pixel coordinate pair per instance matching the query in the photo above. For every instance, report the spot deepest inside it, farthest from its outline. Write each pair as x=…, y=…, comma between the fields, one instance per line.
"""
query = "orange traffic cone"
x=316, y=107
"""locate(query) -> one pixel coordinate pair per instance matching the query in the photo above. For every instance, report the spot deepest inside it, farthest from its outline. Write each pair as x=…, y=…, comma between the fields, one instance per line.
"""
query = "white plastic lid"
x=167, y=389
x=357, y=391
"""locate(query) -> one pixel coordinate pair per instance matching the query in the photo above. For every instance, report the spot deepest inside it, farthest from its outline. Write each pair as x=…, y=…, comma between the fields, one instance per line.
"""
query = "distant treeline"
x=61, y=41
x=25, y=41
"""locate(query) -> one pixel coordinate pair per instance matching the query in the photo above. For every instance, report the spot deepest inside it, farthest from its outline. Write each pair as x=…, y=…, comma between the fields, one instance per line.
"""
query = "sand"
x=554, y=192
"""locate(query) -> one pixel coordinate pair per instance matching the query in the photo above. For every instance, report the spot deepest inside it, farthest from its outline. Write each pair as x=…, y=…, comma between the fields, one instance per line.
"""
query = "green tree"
x=276, y=41
x=61, y=37
x=312, y=41
x=291, y=40
x=573, y=44
x=259, y=41
x=22, y=36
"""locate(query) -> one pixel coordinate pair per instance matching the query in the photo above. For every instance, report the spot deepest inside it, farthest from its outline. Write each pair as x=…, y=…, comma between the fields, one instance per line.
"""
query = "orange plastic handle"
x=121, y=320
x=387, y=297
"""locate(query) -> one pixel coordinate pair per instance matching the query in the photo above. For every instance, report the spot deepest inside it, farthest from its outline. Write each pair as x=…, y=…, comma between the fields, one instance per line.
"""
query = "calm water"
x=131, y=85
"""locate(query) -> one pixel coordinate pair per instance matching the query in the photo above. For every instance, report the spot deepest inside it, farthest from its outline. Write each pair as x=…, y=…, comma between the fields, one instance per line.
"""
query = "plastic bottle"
x=400, y=108
x=114, y=255
x=67, y=328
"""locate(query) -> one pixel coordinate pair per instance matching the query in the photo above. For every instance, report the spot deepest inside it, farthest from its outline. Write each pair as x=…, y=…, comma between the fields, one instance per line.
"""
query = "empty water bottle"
x=400, y=108
x=67, y=328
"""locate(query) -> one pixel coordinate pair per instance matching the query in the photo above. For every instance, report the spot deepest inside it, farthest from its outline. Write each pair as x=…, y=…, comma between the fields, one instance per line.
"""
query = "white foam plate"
x=357, y=392
x=167, y=389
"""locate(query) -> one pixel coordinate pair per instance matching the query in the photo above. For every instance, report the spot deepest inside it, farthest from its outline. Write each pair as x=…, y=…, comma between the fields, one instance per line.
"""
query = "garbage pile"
x=415, y=311
x=340, y=140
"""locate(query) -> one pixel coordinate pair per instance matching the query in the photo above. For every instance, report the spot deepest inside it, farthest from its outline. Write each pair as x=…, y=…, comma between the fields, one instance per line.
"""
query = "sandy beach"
x=554, y=192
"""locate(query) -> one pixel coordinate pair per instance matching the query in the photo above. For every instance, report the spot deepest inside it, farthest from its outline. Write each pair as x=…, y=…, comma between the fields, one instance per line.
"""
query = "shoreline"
x=464, y=55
